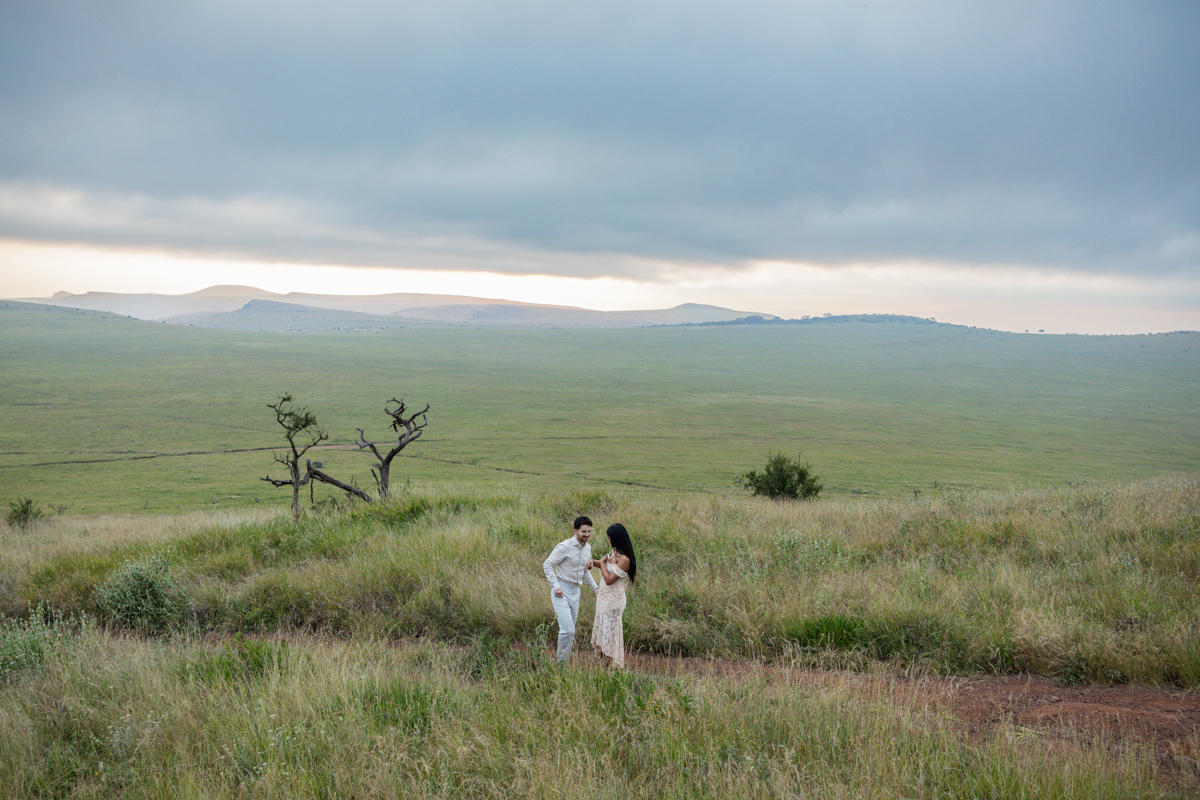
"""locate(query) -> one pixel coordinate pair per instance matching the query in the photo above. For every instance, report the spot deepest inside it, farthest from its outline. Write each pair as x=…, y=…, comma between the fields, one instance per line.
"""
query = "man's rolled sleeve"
x=556, y=557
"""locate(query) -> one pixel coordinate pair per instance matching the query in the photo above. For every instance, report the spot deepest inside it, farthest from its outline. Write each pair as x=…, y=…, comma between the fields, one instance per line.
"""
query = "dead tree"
x=302, y=432
x=316, y=475
x=411, y=432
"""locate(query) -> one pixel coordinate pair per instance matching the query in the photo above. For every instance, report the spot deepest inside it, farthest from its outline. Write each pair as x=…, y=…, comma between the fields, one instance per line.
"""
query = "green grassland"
x=255, y=719
x=369, y=651
x=103, y=413
x=1088, y=583
x=201, y=643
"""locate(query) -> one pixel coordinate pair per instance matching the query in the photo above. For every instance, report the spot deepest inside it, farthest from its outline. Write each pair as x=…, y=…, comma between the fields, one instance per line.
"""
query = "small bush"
x=142, y=595
x=783, y=479
x=24, y=644
x=23, y=513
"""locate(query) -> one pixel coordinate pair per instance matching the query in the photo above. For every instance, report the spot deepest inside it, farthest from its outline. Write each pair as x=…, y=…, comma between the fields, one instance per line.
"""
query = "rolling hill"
x=241, y=308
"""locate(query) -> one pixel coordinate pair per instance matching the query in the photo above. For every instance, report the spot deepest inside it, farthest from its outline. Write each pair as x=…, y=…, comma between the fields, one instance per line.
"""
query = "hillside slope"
x=209, y=307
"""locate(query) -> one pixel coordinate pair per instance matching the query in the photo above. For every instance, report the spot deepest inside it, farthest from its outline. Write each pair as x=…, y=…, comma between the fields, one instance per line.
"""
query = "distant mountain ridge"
x=554, y=316
x=252, y=308
x=829, y=318
x=223, y=299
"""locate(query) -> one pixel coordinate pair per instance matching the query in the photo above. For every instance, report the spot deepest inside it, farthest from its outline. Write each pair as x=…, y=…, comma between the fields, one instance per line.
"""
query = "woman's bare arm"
x=620, y=559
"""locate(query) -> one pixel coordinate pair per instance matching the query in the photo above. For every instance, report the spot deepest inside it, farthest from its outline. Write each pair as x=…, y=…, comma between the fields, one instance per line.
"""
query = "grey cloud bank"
x=1050, y=136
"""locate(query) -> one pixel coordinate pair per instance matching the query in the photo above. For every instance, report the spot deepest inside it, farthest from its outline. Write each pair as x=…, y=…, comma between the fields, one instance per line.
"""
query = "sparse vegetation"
x=783, y=479
x=302, y=432
x=409, y=429
x=307, y=658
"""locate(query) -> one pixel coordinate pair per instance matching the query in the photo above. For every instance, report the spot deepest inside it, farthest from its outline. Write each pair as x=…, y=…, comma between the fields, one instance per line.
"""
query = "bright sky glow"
x=1013, y=301
x=1008, y=165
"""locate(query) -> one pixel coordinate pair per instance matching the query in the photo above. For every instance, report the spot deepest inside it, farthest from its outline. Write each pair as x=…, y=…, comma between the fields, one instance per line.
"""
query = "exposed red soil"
x=1119, y=718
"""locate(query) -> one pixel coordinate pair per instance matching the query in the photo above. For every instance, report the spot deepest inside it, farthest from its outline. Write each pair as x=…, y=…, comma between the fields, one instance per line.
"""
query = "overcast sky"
x=974, y=159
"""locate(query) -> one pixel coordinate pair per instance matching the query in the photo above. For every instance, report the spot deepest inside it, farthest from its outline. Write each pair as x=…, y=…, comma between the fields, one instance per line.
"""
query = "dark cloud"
x=1055, y=135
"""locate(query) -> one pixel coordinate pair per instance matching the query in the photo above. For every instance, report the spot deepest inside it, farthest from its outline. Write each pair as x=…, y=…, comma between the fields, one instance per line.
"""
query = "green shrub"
x=783, y=479
x=142, y=595
x=23, y=513
x=912, y=637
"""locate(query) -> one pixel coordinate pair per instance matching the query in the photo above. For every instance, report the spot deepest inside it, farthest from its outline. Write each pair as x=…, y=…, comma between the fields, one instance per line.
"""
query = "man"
x=566, y=568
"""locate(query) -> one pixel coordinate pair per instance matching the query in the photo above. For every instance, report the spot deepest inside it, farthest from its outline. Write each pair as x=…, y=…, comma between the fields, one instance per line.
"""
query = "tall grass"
x=119, y=717
x=1089, y=583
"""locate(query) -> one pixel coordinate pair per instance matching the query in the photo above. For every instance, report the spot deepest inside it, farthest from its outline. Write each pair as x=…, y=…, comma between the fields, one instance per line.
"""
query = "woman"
x=618, y=568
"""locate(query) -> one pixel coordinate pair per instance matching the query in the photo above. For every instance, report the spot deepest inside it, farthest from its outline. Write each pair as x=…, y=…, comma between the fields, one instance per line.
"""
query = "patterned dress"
x=607, y=634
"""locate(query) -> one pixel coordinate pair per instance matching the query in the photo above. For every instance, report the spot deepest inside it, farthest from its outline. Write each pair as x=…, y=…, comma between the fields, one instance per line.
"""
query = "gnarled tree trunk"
x=412, y=431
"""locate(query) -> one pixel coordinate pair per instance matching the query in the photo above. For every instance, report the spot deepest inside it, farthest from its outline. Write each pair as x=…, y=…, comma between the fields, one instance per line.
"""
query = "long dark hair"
x=618, y=537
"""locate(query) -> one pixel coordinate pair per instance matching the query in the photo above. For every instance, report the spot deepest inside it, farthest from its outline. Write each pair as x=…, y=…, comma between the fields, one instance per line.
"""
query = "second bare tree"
x=409, y=430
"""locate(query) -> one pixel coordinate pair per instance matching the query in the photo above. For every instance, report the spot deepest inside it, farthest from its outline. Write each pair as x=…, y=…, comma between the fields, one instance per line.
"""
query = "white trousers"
x=566, y=608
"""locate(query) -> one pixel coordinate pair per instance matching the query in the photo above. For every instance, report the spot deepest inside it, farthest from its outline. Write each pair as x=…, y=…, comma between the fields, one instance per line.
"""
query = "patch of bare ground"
x=1118, y=718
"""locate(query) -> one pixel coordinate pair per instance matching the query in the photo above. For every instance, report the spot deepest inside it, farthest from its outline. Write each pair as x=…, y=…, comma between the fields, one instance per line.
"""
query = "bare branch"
x=296, y=482
x=345, y=487
x=362, y=442
x=408, y=426
x=276, y=483
x=400, y=421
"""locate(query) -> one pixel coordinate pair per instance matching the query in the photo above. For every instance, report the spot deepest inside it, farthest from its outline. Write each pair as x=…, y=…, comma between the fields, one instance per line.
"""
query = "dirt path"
x=1118, y=717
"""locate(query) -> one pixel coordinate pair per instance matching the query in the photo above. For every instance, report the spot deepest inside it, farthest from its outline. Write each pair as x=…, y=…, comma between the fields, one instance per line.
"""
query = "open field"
x=1094, y=583
x=398, y=649
x=106, y=414
x=108, y=718
x=378, y=655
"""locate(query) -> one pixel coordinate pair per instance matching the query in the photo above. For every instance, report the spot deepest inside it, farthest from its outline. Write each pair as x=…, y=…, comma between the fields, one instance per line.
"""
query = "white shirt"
x=568, y=564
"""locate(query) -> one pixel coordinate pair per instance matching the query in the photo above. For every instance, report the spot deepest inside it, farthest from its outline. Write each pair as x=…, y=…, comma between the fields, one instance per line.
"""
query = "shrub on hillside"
x=23, y=513
x=142, y=595
x=783, y=479
x=25, y=643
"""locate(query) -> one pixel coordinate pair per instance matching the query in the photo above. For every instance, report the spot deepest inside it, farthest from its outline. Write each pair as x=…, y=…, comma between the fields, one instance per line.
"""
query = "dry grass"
x=1089, y=583
x=115, y=717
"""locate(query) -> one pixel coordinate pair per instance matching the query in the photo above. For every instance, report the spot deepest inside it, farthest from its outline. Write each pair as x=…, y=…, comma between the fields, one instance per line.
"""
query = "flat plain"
x=105, y=413
x=995, y=505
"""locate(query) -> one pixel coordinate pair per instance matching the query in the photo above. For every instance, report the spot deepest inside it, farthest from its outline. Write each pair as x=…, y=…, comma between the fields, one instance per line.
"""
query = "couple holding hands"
x=570, y=564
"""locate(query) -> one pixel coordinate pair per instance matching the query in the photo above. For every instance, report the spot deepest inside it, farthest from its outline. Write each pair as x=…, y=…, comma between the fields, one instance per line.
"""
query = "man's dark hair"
x=581, y=521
